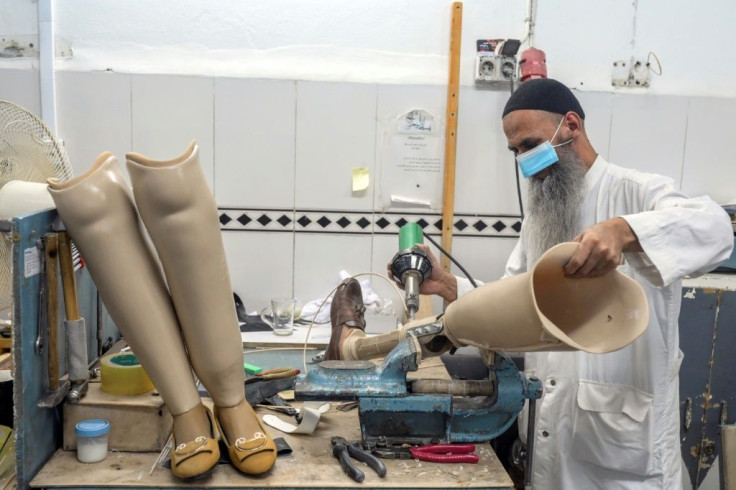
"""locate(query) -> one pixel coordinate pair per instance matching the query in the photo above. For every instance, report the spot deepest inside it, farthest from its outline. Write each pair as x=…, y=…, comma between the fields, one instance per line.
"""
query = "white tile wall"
x=335, y=131
x=307, y=136
x=483, y=258
x=260, y=265
x=485, y=180
x=384, y=248
x=709, y=164
x=94, y=112
x=598, y=107
x=648, y=133
x=394, y=101
x=319, y=258
x=255, y=125
x=21, y=87
x=170, y=111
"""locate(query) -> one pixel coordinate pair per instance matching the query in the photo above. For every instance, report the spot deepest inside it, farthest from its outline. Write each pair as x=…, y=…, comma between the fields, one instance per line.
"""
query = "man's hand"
x=601, y=248
x=439, y=282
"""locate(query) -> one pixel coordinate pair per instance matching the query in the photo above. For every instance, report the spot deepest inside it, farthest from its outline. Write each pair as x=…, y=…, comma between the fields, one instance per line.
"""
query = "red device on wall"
x=533, y=64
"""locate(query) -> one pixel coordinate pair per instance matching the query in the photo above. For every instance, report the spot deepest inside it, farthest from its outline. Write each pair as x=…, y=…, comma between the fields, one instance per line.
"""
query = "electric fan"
x=29, y=154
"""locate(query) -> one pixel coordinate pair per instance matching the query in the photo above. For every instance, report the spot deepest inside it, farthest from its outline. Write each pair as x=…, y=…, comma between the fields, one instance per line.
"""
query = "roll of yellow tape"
x=122, y=374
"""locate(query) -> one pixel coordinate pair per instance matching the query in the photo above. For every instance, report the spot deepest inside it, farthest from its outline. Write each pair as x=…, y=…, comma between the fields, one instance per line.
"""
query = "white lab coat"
x=611, y=421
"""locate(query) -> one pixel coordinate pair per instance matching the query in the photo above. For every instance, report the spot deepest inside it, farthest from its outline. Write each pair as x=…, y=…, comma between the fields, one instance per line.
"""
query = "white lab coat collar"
x=595, y=173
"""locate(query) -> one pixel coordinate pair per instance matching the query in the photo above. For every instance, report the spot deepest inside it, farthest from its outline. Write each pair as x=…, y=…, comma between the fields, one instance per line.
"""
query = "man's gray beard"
x=554, y=209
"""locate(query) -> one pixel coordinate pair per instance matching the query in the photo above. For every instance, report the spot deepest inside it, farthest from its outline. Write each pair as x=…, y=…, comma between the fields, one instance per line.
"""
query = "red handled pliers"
x=445, y=453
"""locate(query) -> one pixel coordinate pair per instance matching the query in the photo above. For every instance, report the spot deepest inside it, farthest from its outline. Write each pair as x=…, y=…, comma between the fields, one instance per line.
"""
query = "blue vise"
x=394, y=410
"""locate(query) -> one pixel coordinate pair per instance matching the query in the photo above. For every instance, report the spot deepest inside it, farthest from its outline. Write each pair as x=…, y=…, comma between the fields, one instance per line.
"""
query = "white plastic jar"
x=92, y=440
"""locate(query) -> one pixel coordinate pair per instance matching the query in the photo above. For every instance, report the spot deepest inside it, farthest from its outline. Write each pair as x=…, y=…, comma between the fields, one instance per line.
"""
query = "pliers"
x=445, y=453
x=343, y=451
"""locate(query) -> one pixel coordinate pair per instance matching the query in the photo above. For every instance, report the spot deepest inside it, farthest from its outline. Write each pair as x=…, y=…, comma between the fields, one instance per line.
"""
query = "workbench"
x=310, y=465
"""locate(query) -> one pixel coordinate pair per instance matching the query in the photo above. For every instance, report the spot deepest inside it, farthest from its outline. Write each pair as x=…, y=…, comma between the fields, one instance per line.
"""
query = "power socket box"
x=495, y=68
x=630, y=73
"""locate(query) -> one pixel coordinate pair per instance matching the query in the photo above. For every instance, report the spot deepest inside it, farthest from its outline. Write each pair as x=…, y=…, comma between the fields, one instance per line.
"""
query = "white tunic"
x=611, y=421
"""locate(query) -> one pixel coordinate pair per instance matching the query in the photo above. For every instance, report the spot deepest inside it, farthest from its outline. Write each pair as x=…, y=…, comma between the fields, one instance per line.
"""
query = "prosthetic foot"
x=98, y=212
x=540, y=310
x=348, y=340
x=346, y=316
x=181, y=216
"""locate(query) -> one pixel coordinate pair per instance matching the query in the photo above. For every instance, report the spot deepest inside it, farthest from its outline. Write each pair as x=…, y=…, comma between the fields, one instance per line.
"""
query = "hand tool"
x=411, y=266
x=277, y=373
x=433, y=453
x=445, y=453
x=57, y=389
x=42, y=297
x=343, y=451
x=76, y=331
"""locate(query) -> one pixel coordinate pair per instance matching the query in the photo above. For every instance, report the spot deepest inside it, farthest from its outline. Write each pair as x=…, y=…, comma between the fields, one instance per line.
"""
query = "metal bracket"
x=425, y=330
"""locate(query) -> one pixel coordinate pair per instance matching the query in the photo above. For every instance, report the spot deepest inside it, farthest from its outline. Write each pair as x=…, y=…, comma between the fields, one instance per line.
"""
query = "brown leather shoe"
x=346, y=312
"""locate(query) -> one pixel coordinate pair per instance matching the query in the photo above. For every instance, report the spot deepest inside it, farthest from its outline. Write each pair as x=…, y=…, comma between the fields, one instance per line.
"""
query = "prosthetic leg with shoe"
x=190, y=324
x=541, y=310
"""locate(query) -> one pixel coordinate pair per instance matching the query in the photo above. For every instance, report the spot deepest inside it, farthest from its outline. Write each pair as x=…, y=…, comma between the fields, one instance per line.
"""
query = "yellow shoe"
x=254, y=455
x=197, y=458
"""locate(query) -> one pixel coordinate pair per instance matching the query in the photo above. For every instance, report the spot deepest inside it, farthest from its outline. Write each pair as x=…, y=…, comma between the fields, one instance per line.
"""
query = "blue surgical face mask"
x=540, y=157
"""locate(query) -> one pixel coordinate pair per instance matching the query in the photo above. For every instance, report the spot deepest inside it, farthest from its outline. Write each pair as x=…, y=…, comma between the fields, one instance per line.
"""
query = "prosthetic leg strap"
x=310, y=415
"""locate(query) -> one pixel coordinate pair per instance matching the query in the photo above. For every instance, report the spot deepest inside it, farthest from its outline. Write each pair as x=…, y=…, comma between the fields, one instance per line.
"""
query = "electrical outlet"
x=620, y=75
x=640, y=73
x=631, y=73
x=492, y=68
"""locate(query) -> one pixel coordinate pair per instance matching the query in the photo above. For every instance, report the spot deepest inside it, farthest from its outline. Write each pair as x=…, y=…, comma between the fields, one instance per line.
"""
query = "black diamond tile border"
x=257, y=219
x=364, y=223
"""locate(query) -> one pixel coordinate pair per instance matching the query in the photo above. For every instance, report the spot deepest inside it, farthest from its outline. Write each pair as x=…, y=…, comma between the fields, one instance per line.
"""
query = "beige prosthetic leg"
x=180, y=213
x=540, y=310
x=98, y=212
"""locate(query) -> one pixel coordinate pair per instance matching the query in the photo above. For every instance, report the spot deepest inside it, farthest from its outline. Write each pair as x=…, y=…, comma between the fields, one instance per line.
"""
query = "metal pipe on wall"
x=46, y=52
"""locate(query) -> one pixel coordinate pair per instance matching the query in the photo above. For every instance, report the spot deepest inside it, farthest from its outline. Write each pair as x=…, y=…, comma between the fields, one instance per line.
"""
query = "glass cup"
x=282, y=316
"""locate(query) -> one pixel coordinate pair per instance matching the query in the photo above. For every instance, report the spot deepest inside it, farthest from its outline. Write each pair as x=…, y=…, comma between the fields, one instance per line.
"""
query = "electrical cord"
x=516, y=167
x=329, y=295
x=472, y=281
x=649, y=56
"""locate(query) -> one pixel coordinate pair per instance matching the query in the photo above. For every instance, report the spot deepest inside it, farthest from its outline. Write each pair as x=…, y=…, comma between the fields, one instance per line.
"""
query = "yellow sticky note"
x=361, y=178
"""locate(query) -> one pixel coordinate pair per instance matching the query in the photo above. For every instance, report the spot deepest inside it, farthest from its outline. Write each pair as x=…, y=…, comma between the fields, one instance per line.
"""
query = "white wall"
x=388, y=41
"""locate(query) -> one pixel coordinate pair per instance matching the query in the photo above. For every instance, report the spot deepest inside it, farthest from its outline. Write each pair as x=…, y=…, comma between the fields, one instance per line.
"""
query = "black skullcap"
x=544, y=94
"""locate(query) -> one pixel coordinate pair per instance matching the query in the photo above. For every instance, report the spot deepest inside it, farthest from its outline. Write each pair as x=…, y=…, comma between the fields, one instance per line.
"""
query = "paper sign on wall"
x=412, y=161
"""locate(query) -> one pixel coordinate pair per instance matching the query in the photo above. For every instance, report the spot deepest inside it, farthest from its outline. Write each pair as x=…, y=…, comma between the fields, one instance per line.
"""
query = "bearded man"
x=605, y=420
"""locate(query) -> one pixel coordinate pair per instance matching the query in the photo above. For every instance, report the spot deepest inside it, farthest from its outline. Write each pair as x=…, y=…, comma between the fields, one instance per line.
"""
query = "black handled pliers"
x=343, y=451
